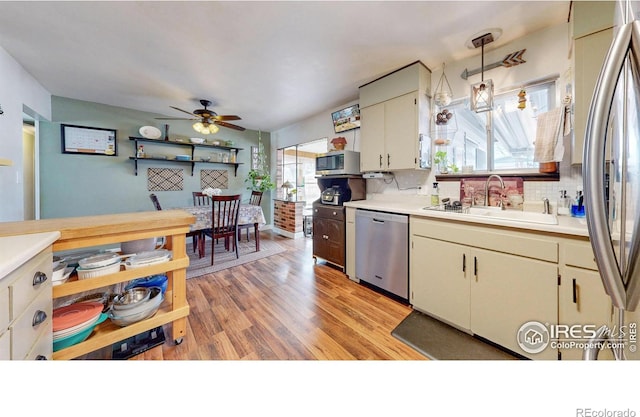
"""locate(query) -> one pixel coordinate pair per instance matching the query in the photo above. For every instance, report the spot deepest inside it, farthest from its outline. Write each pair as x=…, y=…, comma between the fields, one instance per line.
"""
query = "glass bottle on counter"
x=435, y=195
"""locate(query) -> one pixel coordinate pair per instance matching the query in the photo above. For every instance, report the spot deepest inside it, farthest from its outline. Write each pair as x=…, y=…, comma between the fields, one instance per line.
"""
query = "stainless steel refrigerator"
x=612, y=217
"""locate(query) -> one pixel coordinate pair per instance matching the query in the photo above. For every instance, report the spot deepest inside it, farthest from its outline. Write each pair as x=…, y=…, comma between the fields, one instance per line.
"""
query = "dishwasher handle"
x=377, y=220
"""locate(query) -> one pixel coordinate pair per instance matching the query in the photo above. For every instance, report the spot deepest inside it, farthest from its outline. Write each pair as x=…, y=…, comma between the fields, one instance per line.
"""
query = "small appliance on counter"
x=335, y=196
x=335, y=190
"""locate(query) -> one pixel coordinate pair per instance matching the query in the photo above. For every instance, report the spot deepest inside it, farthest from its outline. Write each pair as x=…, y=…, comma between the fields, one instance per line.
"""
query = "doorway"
x=29, y=168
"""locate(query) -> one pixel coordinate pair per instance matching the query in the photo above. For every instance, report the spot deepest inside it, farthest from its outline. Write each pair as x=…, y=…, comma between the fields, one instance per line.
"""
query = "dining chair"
x=154, y=200
x=200, y=199
x=224, y=222
x=254, y=200
x=198, y=237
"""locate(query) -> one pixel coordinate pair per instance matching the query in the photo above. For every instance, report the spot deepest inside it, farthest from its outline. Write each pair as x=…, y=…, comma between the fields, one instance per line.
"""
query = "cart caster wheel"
x=178, y=341
x=315, y=260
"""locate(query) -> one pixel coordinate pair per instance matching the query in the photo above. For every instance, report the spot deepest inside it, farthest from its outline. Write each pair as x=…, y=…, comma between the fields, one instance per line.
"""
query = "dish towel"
x=551, y=129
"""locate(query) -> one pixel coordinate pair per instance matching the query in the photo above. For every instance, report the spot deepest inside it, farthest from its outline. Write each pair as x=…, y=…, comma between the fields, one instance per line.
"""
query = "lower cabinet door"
x=5, y=345
x=510, y=291
x=582, y=301
x=439, y=283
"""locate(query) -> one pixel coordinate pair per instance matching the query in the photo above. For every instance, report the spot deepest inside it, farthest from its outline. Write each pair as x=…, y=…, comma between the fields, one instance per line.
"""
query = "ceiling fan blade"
x=229, y=125
x=184, y=111
x=174, y=118
x=227, y=117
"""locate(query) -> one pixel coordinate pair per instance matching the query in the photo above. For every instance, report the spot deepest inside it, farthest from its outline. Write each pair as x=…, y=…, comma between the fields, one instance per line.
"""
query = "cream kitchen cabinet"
x=350, y=226
x=440, y=283
x=488, y=282
x=508, y=291
x=25, y=299
x=582, y=300
x=389, y=132
x=592, y=32
x=394, y=112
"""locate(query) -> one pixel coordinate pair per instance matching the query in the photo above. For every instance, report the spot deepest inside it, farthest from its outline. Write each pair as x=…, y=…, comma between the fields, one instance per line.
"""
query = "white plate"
x=150, y=132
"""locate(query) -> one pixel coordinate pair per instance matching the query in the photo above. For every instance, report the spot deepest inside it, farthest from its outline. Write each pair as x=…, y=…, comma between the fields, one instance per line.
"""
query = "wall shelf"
x=191, y=162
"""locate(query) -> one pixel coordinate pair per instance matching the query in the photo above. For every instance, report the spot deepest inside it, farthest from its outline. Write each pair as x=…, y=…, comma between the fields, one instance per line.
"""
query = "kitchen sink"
x=507, y=215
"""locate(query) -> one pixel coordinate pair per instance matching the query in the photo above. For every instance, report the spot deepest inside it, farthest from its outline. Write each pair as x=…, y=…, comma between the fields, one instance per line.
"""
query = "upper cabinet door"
x=401, y=132
x=372, y=137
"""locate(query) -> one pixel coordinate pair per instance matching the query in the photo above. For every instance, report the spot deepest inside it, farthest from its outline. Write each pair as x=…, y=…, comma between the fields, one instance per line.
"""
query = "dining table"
x=248, y=214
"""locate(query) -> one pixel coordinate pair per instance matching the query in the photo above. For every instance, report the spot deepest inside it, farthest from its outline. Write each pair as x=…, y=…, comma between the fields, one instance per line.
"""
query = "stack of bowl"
x=135, y=304
x=98, y=265
x=74, y=323
x=61, y=273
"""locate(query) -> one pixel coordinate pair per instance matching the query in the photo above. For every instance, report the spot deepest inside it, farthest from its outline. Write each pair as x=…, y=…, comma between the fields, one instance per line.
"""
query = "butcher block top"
x=85, y=231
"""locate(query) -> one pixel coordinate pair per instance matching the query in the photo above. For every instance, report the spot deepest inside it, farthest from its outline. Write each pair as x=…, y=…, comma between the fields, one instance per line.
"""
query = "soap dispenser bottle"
x=435, y=195
x=577, y=207
x=564, y=204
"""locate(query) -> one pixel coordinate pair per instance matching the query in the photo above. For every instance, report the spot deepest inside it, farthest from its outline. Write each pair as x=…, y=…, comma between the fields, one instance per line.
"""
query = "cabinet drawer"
x=580, y=255
x=43, y=347
x=22, y=288
x=23, y=332
x=336, y=213
x=5, y=346
x=5, y=311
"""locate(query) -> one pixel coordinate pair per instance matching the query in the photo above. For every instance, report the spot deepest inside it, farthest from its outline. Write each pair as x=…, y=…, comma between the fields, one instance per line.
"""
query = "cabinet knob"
x=38, y=318
x=335, y=214
x=39, y=278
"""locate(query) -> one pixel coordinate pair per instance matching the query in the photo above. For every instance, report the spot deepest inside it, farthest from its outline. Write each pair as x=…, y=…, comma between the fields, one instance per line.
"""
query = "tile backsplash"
x=420, y=182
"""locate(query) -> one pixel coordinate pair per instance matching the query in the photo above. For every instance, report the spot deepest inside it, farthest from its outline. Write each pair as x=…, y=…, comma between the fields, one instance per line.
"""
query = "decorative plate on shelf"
x=150, y=132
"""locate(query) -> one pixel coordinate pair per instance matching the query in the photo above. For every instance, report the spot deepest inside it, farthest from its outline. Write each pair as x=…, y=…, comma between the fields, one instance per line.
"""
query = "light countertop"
x=415, y=206
x=16, y=250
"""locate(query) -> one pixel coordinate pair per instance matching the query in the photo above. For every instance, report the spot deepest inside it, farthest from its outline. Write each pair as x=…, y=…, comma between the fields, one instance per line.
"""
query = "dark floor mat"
x=437, y=340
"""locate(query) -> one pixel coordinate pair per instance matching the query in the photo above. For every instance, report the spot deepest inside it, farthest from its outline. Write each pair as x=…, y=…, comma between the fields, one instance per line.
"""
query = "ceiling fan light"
x=213, y=128
x=198, y=126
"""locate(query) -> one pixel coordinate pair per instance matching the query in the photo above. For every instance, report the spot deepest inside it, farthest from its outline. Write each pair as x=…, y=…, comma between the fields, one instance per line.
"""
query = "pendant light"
x=482, y=92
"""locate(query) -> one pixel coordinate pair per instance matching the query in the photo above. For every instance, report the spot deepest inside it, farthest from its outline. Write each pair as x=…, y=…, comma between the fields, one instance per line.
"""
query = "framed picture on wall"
x=89, y=140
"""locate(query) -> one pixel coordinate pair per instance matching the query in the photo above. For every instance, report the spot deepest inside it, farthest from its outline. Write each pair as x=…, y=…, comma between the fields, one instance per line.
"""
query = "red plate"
x=74, y=314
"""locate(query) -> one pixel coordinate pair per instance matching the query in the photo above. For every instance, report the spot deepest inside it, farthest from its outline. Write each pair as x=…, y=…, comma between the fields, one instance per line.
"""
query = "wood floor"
x=284, y=307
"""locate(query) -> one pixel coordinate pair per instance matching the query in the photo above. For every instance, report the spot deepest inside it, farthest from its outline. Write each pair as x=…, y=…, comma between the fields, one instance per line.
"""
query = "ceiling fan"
x=206, y=119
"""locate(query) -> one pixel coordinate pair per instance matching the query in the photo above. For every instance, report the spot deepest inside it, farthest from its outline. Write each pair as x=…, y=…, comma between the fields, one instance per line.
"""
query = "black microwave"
x=338, y=163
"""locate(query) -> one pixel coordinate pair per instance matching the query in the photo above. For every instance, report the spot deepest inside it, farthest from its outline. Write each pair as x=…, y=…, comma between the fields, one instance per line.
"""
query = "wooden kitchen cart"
x=91, y=231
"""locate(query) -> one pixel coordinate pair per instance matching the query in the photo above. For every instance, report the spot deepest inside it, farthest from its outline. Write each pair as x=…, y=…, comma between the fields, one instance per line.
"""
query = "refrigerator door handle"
x=624, y=296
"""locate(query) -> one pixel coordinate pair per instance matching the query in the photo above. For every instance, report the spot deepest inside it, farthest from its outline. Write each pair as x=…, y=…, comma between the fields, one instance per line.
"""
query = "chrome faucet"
x=486, y=190
x=546, y=209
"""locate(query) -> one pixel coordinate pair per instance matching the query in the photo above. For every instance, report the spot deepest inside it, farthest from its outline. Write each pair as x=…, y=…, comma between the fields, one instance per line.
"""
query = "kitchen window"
x=501, y=139
x=297, y=164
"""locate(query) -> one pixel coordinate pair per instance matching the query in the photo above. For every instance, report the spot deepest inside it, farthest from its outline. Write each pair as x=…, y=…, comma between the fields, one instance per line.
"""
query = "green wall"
x=82, y=185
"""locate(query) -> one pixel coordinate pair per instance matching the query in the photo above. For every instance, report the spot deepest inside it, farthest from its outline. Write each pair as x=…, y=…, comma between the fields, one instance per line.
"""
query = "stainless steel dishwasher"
x=382, y=250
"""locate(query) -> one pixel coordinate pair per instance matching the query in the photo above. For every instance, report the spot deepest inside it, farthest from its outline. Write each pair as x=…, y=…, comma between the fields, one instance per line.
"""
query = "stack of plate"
x=98, y=265
x=143, y=259
x=74, y=323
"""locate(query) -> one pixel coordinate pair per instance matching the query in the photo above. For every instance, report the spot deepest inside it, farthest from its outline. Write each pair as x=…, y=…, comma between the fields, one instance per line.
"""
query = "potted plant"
x=440, y=159
x=259, y=178
x=259, y=181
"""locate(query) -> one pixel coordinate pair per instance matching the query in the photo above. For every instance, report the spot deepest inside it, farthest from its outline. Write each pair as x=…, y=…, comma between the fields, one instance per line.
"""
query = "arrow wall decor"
x=511, y=60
